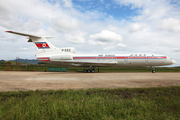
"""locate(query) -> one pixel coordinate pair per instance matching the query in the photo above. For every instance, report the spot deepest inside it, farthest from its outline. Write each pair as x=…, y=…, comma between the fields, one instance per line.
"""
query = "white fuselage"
x=105, y=59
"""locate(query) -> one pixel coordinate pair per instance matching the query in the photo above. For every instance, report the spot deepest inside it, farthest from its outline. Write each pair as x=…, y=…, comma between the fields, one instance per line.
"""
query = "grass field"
x=108, y=104
x=39, y=67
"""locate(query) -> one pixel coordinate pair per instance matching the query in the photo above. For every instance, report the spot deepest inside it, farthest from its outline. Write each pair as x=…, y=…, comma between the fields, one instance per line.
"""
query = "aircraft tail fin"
x=41, y=43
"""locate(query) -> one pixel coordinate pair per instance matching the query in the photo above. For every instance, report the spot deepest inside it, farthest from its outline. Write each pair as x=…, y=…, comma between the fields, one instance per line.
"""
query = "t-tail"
x=41, y=43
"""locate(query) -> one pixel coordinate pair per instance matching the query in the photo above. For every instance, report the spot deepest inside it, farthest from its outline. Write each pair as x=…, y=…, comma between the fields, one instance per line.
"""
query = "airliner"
x=66, y=56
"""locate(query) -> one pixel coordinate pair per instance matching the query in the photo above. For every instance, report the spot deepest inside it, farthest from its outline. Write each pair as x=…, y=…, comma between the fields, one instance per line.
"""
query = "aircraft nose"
x=173, y=61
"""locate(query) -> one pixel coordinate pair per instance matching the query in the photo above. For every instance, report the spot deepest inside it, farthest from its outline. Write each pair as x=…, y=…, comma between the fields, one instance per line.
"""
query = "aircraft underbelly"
x=142, y=62
x=155, y=62
x=134, y=62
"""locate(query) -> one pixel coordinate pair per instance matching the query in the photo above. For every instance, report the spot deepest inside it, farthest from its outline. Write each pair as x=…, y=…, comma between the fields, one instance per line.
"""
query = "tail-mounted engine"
x=61, y=57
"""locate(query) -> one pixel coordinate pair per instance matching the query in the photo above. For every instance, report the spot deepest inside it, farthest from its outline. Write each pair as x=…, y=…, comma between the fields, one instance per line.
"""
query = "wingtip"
x=8, y=31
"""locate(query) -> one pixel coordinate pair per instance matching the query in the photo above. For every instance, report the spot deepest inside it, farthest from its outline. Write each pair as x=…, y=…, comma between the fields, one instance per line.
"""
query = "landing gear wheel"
x=84, y=71
x=93, y=71
x=89, y=71
x=153, y=71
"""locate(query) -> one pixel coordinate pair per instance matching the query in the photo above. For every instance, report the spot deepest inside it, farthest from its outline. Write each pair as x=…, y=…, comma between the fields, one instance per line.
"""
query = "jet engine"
x=61, y=57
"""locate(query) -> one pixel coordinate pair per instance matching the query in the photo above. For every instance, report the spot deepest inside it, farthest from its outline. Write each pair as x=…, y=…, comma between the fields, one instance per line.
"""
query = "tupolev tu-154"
x=66, y=56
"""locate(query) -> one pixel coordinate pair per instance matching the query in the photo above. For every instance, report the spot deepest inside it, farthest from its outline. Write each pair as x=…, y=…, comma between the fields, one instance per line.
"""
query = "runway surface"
x=14, y=81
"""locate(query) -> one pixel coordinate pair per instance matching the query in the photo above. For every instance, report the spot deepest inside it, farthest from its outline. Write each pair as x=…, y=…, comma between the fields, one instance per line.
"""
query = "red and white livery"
x=67, y=57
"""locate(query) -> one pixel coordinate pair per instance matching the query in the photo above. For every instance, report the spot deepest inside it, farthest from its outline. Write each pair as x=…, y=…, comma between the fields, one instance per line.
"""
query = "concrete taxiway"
x=15, y=80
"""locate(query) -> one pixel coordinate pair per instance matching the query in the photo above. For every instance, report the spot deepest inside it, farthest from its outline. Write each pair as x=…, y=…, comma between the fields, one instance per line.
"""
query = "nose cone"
x=173, y=61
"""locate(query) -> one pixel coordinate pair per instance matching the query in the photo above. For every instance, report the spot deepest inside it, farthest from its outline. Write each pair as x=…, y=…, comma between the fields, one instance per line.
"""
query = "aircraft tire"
x=93, y=71
x=84, y=71
x=153, y=71
x=89, y=71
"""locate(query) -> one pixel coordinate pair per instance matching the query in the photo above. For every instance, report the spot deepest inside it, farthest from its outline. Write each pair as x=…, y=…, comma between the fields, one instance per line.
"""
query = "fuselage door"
x=146, y=59
x=125, y=59
x=99, y=57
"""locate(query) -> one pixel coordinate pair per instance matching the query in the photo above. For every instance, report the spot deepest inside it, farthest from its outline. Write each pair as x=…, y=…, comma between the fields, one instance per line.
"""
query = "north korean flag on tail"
x=42, y=45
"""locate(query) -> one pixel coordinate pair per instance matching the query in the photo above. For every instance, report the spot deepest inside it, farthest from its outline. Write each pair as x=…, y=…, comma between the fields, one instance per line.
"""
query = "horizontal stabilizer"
x=27, y=35
x=40, y=42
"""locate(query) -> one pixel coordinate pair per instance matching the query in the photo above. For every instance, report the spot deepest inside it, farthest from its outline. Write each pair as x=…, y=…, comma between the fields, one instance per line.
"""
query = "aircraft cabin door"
x=146, y=59
x=125, y=60
x=99, y=57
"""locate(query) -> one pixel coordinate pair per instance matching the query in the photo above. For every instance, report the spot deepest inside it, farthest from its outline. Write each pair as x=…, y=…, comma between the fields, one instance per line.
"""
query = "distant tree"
x=2, y=61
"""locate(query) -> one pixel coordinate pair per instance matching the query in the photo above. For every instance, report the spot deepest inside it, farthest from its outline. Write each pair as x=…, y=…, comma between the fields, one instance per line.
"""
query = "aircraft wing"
x=87, y=63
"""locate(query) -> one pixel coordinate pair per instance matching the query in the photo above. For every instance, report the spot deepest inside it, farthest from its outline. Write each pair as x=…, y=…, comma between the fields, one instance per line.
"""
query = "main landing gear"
x=91, y=70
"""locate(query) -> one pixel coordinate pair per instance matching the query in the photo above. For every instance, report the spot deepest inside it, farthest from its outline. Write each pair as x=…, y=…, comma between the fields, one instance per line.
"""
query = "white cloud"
x=136, y=27
x=78, y=37
x=33, y=25
x=151, y=10
x=106, y=36
x=63, y=24
x=170, y=24
x=108, y=47
x=23, y=48
x=121, y=45
x=146, y=12
x=176, y=50
x=67, y=3
x=5, y=10
x=133, y=3
x=92, y=42
x=102, y=1
x=107, y=6
x=113, y=28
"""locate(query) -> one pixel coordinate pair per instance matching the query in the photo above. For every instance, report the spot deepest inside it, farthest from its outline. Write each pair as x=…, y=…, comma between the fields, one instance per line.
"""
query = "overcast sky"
x=92, y=26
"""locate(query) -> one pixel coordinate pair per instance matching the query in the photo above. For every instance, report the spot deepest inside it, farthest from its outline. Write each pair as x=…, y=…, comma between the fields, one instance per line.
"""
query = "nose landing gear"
x=153, y=71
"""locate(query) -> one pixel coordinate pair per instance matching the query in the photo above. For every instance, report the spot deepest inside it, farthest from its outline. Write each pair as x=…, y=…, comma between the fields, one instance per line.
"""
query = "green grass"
x=108, y=104
x=125, y=69
x=39, y=67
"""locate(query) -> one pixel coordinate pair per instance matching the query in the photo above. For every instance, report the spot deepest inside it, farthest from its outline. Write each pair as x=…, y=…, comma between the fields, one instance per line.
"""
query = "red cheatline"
x=43, y=58
x=118, y=57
